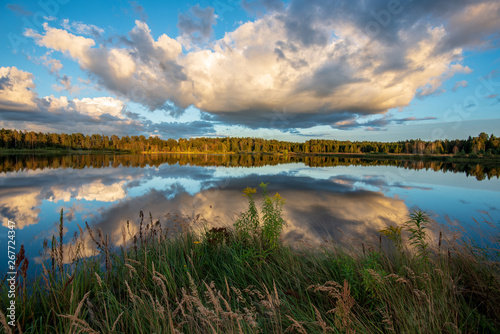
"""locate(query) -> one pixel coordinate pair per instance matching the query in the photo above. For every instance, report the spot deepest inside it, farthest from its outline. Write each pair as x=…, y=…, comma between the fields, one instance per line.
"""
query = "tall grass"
x=226, y=280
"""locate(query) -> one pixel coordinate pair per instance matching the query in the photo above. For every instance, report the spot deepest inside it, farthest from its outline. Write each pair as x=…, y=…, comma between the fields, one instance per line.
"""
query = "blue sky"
x=381, y=70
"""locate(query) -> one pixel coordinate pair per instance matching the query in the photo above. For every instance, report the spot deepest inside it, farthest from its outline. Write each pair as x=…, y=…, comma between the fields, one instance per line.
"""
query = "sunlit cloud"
x=97, y=191
x=20, y=104
x=323, y=63
x=16, y=89
x=20, y=205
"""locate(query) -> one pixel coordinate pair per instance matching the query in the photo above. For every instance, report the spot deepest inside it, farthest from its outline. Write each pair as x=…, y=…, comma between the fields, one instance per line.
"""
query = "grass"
x=243, y=280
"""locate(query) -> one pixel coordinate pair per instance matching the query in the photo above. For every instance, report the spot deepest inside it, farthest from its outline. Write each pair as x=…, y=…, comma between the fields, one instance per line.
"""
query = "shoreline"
x=393, y=156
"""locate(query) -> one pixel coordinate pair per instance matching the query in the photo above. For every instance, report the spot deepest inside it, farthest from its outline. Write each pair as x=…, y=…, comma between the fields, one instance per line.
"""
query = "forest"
x=483, y=144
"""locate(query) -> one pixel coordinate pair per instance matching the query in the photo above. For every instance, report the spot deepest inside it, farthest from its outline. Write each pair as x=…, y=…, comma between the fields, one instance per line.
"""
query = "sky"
x=383, y=70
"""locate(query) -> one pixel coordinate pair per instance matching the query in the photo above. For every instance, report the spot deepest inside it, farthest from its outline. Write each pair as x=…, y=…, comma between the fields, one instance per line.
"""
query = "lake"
x=339, y=198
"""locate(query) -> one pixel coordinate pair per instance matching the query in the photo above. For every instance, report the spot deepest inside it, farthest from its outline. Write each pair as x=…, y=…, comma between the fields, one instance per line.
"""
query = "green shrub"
x=417, y=226
x=265, y=231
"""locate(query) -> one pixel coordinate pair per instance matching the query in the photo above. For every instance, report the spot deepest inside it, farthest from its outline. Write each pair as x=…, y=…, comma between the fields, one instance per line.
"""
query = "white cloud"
x=21, y=204
x=97, y=191
x=261, y=67
x=94, y=107
x=60, y=40
x=16, y=89
x=17, y=92
x=21, y=108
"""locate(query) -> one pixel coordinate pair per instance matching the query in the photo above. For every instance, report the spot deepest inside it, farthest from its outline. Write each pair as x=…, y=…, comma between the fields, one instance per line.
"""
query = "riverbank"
x=234, y=279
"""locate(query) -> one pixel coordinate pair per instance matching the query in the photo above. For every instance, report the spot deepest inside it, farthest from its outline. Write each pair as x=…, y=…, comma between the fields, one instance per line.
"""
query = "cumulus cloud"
x=16, y=89
x=389, y=21
x=94, y=107
x=474, y=25
x=20, y=105
x=147, y=74
x=314, y=58
x=61, y=40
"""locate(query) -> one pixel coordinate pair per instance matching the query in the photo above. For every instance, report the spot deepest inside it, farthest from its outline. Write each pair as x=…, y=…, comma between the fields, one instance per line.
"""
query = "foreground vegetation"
x=243, y=279
x=483, y=145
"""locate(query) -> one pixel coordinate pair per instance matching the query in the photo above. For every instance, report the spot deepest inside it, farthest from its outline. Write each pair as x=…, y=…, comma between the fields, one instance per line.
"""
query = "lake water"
x=346, y=198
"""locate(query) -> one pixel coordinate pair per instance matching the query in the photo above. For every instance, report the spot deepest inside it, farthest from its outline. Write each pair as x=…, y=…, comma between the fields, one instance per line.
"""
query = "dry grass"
x=158, y=282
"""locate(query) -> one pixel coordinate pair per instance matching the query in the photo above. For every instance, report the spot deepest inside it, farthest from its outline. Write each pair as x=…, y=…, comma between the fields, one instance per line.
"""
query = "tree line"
x=483, y=144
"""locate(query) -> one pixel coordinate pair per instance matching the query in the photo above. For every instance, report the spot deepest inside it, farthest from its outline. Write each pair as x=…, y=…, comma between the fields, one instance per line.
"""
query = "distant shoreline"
x=397, y=156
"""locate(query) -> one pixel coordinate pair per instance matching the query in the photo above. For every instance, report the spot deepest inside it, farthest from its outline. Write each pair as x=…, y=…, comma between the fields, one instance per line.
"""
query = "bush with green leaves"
x=264, y=228
x=416, y=226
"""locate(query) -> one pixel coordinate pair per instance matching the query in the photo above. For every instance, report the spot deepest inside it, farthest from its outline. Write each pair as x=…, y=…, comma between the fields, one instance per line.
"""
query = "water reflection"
x=315, y=208
x=9, y=163
x=339, y=197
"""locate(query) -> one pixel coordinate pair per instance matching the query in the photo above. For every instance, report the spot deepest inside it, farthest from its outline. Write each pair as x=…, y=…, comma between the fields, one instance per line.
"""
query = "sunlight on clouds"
x=438, y=71
x=164, y=49
x=475, y=23
x=20, y=205
x=60, y=40
x=257, y=60
x=262, y=66
x=17, y=93
x=122, y=64
x=100, y=105
x=94, y=107
x=97, y=191
x=16, y=89
x=357, y=214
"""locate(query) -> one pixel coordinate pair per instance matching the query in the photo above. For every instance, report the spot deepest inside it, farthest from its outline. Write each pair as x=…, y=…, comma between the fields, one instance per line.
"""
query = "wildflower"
x=263, y=185
x=278, y=198
x=196, y=242
x=248, y=191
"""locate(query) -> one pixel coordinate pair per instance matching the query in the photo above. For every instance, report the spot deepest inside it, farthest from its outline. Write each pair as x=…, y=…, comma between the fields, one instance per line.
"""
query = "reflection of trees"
x=33, y=162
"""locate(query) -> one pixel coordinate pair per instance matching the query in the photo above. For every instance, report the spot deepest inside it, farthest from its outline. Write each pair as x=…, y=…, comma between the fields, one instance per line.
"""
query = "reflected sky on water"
x=340, y=198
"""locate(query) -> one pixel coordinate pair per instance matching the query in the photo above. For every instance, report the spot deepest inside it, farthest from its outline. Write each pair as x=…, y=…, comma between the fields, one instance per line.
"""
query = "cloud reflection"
x=315, y=209
x=350, y=203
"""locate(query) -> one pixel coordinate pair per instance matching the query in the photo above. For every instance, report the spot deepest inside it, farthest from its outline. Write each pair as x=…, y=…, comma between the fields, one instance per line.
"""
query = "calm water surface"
x=347, y=198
